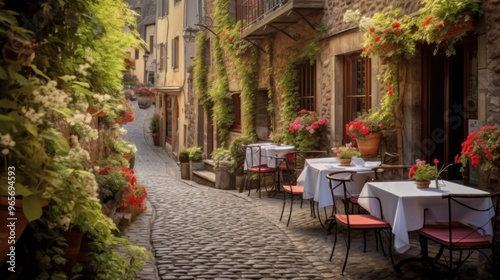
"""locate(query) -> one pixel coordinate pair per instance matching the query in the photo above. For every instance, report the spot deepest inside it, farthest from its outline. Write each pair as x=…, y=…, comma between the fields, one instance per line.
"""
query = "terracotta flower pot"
x=423, y=184
x=345, y=161
x=369, y=146
x=156, y=138
x=74, y=240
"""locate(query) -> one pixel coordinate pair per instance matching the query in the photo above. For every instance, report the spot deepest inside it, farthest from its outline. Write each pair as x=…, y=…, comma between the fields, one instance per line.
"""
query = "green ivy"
x=200, y=71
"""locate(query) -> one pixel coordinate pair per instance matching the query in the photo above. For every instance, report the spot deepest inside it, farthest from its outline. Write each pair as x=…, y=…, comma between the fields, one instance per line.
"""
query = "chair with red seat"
x=289, y=186
x=256, y=168
x=351, y=222
x=458, y=237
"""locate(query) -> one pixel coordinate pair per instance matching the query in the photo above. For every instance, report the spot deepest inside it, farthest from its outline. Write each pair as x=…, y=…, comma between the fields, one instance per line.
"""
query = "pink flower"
x=396, y=24
x=303, y=112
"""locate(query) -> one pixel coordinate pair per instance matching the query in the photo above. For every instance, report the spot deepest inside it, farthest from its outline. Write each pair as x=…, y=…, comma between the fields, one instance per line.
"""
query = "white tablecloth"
x=269, y=152
x=403, y=207
x=316, y=185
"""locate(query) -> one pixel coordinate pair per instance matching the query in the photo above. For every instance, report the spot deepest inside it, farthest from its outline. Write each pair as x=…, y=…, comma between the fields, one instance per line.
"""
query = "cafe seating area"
x=397, y=219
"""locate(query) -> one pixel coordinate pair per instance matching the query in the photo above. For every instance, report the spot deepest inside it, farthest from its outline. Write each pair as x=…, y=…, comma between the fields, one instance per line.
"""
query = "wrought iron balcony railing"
x=251, y=11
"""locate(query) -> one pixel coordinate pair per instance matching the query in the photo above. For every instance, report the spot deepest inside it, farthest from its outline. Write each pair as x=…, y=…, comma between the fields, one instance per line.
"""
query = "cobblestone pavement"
x=198, y=232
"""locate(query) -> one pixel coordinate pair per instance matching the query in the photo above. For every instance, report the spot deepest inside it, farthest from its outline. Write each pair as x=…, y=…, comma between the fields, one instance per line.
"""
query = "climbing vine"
x=393, y=37
x=291, y=100
x=200, y=71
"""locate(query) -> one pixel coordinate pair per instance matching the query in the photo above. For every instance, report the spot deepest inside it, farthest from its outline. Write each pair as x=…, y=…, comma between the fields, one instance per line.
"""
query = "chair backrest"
x=253, y=155
x=338, y=179
x=478, y=203
x=387, y=172
x=288, y=175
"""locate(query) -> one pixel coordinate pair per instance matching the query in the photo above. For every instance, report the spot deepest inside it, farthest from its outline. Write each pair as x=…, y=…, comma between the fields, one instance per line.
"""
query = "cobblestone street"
x=198, y=232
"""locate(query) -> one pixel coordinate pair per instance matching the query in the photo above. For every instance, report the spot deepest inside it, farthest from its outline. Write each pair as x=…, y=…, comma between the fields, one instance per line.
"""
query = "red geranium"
x=359, y=128
x=481, y=149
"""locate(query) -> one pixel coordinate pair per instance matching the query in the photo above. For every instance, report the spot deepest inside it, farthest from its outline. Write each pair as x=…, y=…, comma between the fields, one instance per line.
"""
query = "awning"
x=169, y=90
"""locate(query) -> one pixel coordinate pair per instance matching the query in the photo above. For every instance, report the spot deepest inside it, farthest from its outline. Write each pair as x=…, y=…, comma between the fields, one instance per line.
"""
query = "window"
x=136, y=54
x=306, y=85
x=162, y=8
x=175, y=52
x=236, y=127
x=151, y=43
x=357, y=92
x=162, y=56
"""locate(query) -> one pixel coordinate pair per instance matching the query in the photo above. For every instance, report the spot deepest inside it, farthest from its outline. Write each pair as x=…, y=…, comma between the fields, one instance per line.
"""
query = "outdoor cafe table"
x=403, y=207
x=269, y=152
x=317, y=186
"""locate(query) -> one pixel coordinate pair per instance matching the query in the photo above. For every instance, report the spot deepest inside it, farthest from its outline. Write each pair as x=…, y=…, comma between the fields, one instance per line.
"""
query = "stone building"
x=446, y=97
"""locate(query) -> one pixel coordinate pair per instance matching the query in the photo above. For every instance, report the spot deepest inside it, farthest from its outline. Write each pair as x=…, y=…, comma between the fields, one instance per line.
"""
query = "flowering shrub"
x=133, y=193
x=422, y=171
x=305, y=131
x=347, y=151
x=359, y=128
x=481, y=148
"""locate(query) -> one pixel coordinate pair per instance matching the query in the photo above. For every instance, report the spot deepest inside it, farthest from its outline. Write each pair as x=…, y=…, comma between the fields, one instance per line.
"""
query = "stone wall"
x=335, y=10
x=492, y=91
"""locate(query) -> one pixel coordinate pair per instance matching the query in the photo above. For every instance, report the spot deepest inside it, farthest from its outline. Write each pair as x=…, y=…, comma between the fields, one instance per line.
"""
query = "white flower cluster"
x=102, y=97
x=32, y=115
x=79, y=118
x=64, y=222
x=352, y=16
x=7, y=142
x=77, y=153
x=85, y=131
x=49, y=96
x=82, y=69
x=365, y=23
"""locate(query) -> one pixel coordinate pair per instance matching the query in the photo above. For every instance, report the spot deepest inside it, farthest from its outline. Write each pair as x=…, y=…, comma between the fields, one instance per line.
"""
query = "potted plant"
x=196, y=158
x=123, y=147
x=346, y=153
x=154, y=127
x=367, y=131
x=184, y=163
x=224, y=168
x=423, y=172
x=305, y=131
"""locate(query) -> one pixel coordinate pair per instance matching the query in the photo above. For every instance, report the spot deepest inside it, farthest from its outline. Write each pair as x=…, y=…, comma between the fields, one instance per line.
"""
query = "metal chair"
x=289, y=186
x=455, y=236
x=351, y=222
x=256, y=169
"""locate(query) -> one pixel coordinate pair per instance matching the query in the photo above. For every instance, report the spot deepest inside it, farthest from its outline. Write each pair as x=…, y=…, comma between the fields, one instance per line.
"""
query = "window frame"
x=175, y=52
x=306, y=85
x=348, y=87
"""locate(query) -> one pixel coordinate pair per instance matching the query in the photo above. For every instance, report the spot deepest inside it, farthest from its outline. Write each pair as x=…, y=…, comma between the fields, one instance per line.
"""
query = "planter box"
x=185, y=173
x=224, y=180
x=197, y=165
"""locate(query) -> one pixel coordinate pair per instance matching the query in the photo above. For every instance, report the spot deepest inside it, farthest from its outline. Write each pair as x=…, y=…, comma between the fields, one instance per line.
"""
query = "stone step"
x=209, y=165
x=204, y=177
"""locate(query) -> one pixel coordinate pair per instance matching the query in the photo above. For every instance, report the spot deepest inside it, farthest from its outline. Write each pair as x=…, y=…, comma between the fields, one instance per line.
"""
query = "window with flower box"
x=357, y=91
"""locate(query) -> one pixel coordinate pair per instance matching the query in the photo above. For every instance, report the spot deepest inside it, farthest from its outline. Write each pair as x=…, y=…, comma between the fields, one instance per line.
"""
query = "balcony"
x=260, y=18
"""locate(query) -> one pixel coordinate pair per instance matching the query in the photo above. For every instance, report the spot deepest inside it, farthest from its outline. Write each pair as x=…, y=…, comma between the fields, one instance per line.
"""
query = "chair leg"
x=334, y=240
x=284, y=202
x=291, y=206
x=348, y=248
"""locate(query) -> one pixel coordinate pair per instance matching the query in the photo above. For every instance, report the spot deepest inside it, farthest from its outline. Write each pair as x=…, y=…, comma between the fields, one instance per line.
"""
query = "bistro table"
x=403, y=207
x=268, y=153
x=316, y=185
